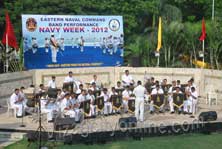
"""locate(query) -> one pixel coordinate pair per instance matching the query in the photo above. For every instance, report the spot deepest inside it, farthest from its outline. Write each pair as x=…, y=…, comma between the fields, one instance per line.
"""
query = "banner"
x=61, y=41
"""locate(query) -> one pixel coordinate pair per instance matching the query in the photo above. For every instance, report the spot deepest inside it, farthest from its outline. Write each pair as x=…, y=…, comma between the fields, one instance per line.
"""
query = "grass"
x=188, y=141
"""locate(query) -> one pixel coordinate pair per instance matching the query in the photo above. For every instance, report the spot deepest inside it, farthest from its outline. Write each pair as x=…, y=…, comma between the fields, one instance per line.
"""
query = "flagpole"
x=203, y=54
x=158, y=60
x=6, y=55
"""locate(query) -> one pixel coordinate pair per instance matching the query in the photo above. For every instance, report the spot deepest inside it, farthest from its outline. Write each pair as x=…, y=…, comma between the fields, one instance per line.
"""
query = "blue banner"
x=57, y=41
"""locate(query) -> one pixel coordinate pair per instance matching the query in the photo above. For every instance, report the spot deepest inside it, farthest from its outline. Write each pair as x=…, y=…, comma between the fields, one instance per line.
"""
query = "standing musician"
x=91, y=97
x=127, y=79
x=170, y=96
x=140, y=93
x=52, y=83
x=54, y=48
x=126, y=96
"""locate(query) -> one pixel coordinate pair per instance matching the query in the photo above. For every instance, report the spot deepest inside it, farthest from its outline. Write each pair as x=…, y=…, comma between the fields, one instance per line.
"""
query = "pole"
x=203, y=54
x=6, y=55
x=213, y=10
x=158, y=61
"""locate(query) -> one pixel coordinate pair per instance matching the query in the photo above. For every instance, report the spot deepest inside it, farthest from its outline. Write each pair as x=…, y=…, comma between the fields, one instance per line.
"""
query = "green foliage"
x=181, y=25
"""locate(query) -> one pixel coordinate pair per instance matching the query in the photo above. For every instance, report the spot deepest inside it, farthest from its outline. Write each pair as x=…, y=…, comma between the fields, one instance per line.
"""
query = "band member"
x=94, y=87
x=110, y=45
x=140, y=93
x=69, y=78
x=66, y=106
x=16, y=102
x=156, y=91
x=118, y=85
x=91, y=97
x=54, y=48
x=126, y=96
x=75, y=106
x=121, y=45
x=192, y=101
x=83, y=96
x=81, y=44
x=176, y=91
x=170, y=96
x=79, y=90
x=153, y=83
x=127, y=79
x=103, y=45
x=34, y=45
x=115, y=44
x=61, y=44
x=178, y=83
x=26, y=44
x=47, y=45
x=42, y=89
x=107, y=104
x=52, y=82
x=95, y=80
x=47, y=108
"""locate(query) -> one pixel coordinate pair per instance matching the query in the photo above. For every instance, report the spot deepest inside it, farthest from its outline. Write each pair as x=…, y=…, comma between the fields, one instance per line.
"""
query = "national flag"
x=203, y=35
x=159, y=44
x=9, y=33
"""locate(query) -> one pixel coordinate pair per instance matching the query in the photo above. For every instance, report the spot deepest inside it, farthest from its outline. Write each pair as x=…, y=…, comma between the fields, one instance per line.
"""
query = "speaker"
x=208, y=116
x=136, y=61
x=127, y=122
x=64, y=123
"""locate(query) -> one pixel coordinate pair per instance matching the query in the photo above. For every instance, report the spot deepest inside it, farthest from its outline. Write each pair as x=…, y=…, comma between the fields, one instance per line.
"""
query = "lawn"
x=188, y=141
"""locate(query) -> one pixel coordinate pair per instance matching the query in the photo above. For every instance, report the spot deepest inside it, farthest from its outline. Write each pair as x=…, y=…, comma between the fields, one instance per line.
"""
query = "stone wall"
x=10, y=81
x=205, y=79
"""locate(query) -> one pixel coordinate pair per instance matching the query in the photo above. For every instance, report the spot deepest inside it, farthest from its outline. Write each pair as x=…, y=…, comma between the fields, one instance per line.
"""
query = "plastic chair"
x=10, y=108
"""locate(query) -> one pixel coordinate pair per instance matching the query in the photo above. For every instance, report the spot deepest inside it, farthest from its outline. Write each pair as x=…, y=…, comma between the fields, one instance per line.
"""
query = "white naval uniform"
x=34, y=46
x=47, y=109
x=17, y=106
x=126, y=94
x=170, y=98
x=107, y=105
x=92, y=106
x=65, y=103
x=127, y=79
x=47, y=45
x=191, y=103
x=154, y=92
x=51, y=84
x=139, y=92
x=54, y=49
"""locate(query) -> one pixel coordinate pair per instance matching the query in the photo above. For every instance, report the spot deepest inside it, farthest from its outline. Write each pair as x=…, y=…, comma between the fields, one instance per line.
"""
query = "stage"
x=105, y=123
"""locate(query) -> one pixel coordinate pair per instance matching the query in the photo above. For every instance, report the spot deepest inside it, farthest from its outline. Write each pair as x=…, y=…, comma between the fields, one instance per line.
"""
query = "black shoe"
x=160, y=111
x=50, y=121
x=171, y=112
x=184, y=113
x=151, y=112
x=179, y=112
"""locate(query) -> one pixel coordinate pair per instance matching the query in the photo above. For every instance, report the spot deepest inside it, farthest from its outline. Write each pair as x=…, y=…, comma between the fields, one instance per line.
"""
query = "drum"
x=131, y=105
x=85, y=105
x=158, y=100
x=178, y=100
x=100, y=103
x=116, y=101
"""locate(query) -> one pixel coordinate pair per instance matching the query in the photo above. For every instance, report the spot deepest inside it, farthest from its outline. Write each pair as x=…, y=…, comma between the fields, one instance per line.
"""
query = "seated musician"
x=107, y=103
x=113, y=92
x=75, y=106
x=156, y=91
x=126, y=96
x=164, y=82
x=170, y=96
x=118, y=85
x=127, y=79
x=83, y=96
x=94, y=87
x=42, y=89
x=17, y=103
x=49, y=107
x=52, y=82
x=66, y=106
x=153, y=83
x=91, y=97
x=79, y=90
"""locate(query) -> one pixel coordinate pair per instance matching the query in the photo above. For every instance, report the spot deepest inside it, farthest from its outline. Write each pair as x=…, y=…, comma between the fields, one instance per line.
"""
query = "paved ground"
x=103, y=123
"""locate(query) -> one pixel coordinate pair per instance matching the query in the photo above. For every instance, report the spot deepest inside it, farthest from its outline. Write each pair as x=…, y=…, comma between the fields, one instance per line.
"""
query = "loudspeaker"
x=208, y=116
x=64, y=123
x=127, y=122
x=136, y=61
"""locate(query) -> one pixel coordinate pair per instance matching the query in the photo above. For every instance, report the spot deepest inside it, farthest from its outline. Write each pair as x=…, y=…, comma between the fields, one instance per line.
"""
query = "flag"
x=159, y=35
x=203, y=35
x=9, y=31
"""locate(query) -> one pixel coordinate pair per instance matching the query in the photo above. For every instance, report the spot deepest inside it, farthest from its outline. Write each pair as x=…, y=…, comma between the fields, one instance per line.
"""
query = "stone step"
x=12, y=135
